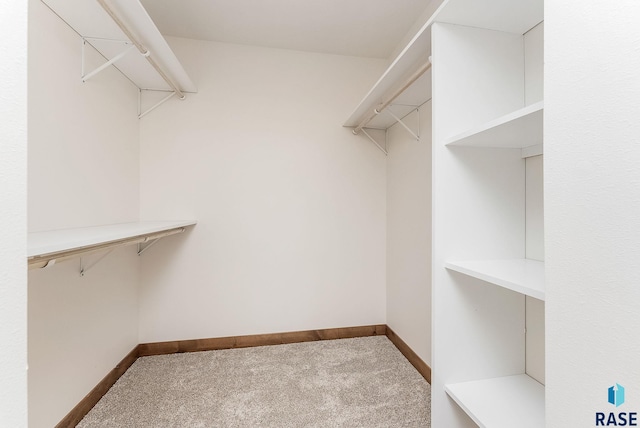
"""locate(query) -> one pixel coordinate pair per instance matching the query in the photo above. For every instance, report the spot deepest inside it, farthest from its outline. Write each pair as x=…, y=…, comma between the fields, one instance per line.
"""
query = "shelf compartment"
x=524, y=276
x=503, y=402
x=516, y=130
x=499, y=15
x=58, y=245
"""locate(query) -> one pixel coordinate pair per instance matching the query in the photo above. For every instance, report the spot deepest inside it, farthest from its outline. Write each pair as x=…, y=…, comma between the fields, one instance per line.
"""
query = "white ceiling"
x=370, y=28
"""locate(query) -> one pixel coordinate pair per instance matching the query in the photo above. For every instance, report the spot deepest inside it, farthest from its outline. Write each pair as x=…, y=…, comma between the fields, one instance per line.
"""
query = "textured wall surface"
x=409, y=233
x=592, y=207
x=13, y=214
x=83, y=171
x=290, y=205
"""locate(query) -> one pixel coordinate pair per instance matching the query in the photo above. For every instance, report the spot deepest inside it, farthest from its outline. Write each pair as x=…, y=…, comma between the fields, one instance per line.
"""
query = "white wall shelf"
x=45, y=248
x=504, y=402
x=91, y=22
x=414, y=54
x=516, y=130
x=524, y=276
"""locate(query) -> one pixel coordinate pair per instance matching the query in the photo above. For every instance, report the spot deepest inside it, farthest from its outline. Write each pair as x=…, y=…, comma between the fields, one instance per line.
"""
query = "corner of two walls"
x=409, y=232
x=290, y=205
x=83, y=165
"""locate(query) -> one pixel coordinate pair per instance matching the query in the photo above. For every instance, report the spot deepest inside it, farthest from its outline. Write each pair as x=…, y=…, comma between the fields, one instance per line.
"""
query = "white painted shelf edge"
x=524, y=276
x=518, y=129
x=54, y=244
x=503, y=402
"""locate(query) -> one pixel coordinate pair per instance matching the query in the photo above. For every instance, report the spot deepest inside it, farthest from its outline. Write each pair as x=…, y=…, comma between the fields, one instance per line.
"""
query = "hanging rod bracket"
x=49, y=263
x=89, y=75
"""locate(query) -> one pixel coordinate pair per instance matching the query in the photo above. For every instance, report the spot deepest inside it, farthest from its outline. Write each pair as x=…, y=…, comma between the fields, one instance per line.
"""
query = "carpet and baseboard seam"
x=417, y=362
x=91, y=399
x=195, y=345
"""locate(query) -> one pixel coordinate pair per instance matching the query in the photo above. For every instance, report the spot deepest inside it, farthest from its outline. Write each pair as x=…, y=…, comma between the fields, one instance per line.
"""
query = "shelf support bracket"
x=373, y=140
x=84, y=269
x=142, y=248
x=151, y=241
x=404, y=125
x=141, y=113
x=110, y=62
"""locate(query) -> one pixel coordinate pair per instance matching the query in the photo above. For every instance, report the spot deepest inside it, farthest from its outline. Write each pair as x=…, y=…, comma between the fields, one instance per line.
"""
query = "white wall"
x=592, y=207
x=83, y=154
x=13, y=179
x=534, y=64
x=290, y=205
x=534, y=204
x=83, y=170
x=534, y=237
x=409, y=232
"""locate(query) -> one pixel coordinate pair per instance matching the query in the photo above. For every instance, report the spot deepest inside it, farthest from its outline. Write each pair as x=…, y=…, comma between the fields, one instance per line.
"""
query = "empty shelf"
x=56, y=245
x=503, y=402
x=516, y=130
x=521, y=275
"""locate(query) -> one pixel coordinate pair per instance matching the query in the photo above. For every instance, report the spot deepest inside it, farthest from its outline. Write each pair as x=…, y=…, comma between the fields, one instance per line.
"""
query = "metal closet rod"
x=376, y=111
x=140, y=47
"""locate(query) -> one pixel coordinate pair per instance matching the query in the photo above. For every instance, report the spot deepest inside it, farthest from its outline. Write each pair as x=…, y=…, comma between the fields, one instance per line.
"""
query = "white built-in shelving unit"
x=488, y=230
x=488, y=285
x=49, y=247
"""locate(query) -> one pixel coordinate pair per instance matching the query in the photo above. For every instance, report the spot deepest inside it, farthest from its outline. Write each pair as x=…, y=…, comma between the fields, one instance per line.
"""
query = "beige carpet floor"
x=362, y=382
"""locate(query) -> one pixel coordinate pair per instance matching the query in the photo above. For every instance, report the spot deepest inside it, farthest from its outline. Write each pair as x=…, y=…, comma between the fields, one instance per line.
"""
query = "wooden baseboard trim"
x=179, y=346
x=212, y=344
x=422, y=367
x=91, y=399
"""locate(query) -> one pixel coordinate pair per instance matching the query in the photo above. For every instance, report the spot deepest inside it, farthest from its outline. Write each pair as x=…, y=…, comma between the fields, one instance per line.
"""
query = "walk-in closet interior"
x=181, y=191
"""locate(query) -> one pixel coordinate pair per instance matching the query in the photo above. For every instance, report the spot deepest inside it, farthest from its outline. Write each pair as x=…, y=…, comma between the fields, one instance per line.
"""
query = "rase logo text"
x=615, y=397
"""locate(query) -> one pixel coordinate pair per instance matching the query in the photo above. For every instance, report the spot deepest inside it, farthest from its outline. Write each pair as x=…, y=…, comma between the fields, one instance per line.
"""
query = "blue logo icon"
x=616, y=395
